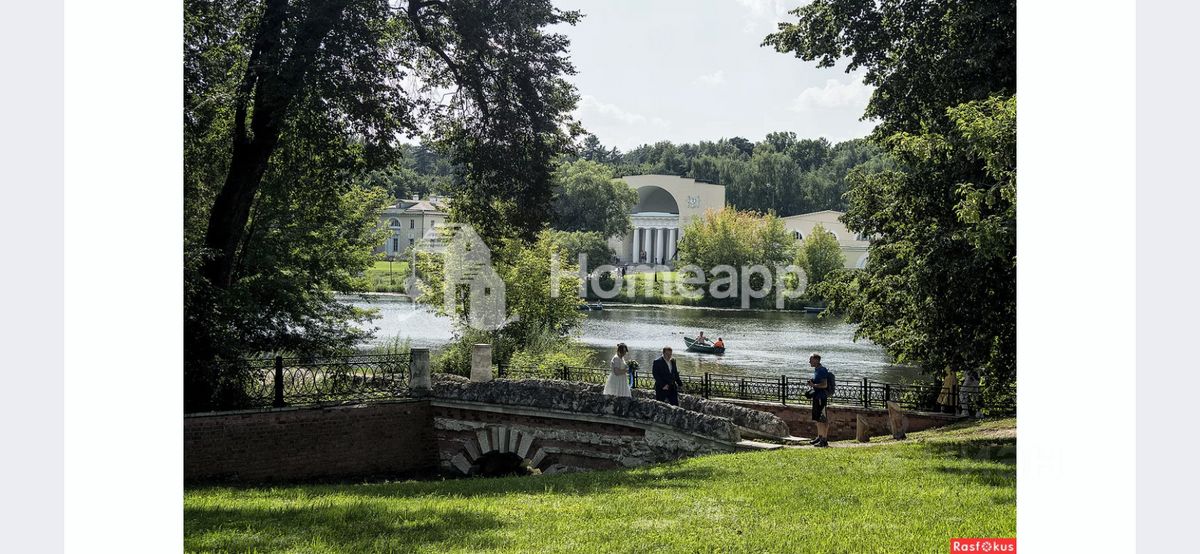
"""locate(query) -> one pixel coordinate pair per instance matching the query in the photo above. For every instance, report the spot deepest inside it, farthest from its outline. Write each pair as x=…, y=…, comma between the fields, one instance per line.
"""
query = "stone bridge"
x=556, y=426
x=456, y=426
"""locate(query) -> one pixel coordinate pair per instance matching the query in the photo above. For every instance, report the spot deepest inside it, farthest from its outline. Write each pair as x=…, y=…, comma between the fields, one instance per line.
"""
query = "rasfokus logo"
x=986, y=546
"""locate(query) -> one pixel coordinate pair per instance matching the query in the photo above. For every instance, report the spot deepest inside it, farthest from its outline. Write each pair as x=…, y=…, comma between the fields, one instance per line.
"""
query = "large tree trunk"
x=276, y=78
x=231, y=210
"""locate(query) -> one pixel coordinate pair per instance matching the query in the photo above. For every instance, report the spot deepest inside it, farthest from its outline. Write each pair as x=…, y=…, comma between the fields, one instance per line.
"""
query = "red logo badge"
x=985, y=546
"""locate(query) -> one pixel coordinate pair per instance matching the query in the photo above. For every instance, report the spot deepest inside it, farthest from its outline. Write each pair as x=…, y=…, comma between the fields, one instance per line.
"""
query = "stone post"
x=481, y=363
x=419, y=384
x=897, y=421
x=862, y=431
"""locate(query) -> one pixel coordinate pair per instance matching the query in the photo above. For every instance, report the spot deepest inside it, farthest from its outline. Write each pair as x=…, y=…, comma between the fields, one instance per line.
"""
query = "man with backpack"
x=823, y=385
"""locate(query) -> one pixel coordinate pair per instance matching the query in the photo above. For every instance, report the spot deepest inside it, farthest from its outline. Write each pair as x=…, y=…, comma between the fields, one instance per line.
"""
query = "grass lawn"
x=380, y=279
x=910, y=496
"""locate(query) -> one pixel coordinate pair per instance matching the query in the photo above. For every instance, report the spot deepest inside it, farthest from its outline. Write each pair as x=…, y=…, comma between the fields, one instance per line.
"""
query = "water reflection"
x=763, y=343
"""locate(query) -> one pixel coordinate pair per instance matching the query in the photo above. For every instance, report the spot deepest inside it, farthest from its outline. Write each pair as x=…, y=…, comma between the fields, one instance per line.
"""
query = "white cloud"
x=765, y=15
x=835, y=94
x=588, y=104
x=715, y=78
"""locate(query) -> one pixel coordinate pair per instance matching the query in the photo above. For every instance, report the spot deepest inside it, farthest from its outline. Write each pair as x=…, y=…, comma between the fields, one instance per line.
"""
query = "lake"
x=758, y=342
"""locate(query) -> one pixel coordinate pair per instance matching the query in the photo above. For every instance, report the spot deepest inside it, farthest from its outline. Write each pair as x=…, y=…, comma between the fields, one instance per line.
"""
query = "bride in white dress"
x=618, y=378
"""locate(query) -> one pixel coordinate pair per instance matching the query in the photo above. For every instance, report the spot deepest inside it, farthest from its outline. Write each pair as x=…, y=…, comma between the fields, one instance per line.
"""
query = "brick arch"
x=502, y=439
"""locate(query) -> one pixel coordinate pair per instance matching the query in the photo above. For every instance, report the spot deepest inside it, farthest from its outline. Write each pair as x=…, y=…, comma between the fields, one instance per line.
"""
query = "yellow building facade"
x=854, y=246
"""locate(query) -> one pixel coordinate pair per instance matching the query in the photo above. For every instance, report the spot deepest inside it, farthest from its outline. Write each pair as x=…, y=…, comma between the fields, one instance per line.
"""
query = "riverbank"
x=889, y=497
x=384, y=276
x=760, y=343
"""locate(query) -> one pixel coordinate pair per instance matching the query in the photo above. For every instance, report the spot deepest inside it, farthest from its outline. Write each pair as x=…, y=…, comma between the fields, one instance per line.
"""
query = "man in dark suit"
x=666, y=378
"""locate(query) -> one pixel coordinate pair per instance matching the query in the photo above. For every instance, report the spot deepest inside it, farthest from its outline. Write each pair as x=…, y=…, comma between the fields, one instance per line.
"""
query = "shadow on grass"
x=962, y=458
x=662, y=476
x=361, y=517
x=354, y=527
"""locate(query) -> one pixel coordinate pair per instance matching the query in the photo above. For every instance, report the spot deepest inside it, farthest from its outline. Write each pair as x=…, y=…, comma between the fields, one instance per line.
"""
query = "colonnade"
x=654, y=245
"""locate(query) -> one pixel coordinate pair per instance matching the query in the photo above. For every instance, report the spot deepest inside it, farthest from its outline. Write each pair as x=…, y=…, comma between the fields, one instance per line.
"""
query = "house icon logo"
x=468, y=276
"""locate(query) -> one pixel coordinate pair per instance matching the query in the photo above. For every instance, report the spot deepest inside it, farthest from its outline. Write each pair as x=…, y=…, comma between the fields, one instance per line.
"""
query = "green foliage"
x=734, y=238
x=518, y=121
x=588, y=198
x=304, y=243
x=419, y=172
x=941, y=286
x=574, y=243
x=922, y=56
x=383, y=277
x=885, y=498
x=940, y=289
x=534, y=310
x=294, y=113
x=819, y=254
x=548, y=351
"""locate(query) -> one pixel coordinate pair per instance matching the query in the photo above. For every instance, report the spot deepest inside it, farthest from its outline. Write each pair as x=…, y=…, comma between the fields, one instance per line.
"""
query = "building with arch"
x=408, y=221
x=666, y=203
x=854, y=247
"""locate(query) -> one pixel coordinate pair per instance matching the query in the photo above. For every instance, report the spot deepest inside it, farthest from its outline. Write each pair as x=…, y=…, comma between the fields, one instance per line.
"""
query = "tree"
x=819, y=255
x=340, y=60
x=588, y=198
x=537, y=316
x=922, y=56
x=941, y=286
x=590, y=243
x=809, y=154
x=290, y=104
x=739, y=239
x=940, y=289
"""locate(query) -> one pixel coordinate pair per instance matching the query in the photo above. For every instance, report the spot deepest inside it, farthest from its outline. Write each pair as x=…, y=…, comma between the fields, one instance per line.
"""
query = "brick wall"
x=308, y=443
x=844, y=419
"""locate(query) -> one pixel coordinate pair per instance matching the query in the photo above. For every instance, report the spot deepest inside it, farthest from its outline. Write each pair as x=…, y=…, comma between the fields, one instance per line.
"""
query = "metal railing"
x=280, y=381
x=785, y=389
x=290, y=381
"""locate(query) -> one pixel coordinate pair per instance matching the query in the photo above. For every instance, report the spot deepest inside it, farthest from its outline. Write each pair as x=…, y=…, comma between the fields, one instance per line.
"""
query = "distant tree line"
x=782, y=172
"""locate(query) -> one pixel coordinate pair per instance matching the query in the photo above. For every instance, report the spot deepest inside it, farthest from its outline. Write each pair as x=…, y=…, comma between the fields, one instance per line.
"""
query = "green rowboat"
x=702, y=348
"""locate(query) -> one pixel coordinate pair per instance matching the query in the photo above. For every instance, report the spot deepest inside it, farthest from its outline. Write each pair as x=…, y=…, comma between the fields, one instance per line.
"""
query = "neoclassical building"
x=408, y=221
x=854, y=247
x=666, y=203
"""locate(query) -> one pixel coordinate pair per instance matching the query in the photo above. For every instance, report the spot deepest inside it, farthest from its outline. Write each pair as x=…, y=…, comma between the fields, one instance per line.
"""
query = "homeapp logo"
x=468, y=276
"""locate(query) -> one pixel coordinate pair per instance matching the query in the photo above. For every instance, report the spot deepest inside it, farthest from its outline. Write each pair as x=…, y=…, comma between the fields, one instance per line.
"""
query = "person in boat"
x=702, y=340
x=720, y=343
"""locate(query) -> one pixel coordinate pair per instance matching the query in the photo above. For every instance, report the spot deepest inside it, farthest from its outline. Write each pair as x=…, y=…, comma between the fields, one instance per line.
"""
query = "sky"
x=692, y=70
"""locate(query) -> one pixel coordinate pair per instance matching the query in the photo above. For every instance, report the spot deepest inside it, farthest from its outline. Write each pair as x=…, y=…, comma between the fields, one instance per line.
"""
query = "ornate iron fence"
x=280, y=381
x=785, y=389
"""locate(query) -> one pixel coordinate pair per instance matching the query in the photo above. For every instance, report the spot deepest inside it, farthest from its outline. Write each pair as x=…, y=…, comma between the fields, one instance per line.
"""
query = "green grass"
x=911, y=496
x=380, y=279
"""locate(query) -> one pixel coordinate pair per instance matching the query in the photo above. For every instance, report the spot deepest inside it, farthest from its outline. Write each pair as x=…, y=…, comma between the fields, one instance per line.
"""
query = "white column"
x=672, y=238
x=659, y=243
x=653, y=255
x=645, y=244
x=633, y=246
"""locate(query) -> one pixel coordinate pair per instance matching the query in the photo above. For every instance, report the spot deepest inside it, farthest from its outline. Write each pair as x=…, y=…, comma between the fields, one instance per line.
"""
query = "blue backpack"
x=831, y=384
